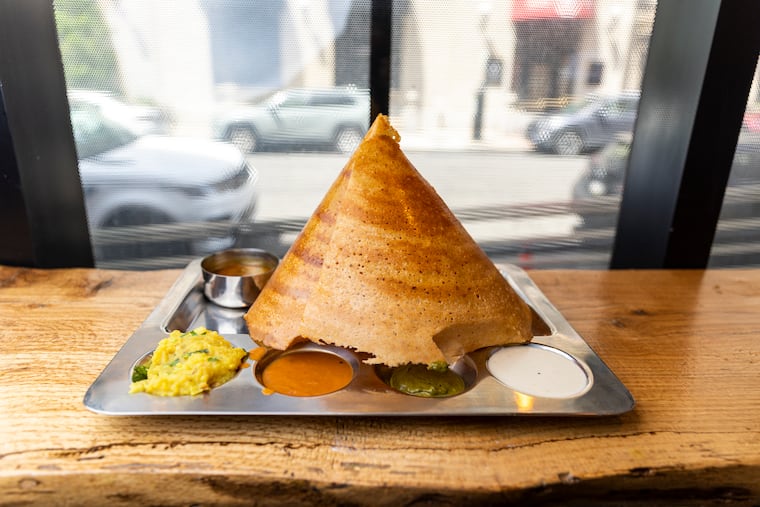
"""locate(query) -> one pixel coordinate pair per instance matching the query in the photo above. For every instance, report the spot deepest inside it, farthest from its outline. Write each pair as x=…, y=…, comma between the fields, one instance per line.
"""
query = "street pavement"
x=486, y=188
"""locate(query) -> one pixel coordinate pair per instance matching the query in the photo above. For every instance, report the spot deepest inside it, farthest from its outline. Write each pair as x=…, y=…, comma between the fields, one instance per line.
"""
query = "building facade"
x=493, y=61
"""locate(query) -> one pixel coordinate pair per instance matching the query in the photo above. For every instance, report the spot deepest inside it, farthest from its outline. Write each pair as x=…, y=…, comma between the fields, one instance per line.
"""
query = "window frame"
x=42, y=211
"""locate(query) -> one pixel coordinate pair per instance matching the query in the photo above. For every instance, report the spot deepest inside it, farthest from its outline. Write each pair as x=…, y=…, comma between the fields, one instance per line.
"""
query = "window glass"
x=520, y=113
x=205, y=124
x=737, y=240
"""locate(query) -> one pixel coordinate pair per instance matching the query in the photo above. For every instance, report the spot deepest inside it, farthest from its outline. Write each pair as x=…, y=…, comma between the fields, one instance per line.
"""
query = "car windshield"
x=286, y=99
x=97, y=129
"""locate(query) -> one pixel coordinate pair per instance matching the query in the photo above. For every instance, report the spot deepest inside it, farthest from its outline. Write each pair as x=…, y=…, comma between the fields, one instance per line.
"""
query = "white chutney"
x=538, y=370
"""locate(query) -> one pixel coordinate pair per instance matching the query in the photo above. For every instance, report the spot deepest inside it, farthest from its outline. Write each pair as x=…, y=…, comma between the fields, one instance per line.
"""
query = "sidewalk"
x=495, y=136
x=461, y=140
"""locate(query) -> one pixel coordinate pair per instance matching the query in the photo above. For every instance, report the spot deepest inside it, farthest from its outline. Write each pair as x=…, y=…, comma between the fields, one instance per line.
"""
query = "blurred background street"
x=292, y=185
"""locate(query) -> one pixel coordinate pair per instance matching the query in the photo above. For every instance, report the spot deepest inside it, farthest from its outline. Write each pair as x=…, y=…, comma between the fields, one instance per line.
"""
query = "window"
x=288, y=79
x=511, y=109
x=508, y=154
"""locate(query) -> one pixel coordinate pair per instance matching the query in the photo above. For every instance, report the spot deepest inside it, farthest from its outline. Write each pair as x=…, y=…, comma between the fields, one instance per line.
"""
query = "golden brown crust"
x=384, y=267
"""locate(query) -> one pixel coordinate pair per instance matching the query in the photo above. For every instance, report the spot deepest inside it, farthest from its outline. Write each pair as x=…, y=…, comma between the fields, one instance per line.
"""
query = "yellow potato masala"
x=188, y=363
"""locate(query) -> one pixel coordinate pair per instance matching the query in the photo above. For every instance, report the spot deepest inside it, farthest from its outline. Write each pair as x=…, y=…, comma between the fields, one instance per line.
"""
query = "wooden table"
x=685, y=343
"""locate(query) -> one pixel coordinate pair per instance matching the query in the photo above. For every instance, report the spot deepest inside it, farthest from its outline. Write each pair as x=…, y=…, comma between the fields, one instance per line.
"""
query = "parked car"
x=134, y=179
x=585, y=125
x=141, y=118
x=334, y=118
x=605, y=175
x=606, y=170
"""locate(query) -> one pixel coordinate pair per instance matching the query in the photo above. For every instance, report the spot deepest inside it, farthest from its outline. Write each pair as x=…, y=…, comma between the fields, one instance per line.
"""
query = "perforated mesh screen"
x=506, y=107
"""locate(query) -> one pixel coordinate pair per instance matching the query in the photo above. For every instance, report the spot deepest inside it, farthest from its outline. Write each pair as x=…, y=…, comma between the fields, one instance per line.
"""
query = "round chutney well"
x=304, y=372
x=538, y=370
x=429, y=382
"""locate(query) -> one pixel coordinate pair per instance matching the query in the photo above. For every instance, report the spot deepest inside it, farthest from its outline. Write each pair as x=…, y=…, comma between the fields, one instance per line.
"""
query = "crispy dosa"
x=384, y=267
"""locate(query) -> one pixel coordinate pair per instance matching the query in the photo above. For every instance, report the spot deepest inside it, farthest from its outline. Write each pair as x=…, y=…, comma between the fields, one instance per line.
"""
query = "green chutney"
x=428, y=382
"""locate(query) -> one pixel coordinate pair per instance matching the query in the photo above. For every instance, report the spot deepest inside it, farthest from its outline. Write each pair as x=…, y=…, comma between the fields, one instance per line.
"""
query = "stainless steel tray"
x=185, y=307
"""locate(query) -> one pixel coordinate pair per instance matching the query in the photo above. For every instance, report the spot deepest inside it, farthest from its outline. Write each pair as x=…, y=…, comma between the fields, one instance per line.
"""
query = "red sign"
x=523, y=10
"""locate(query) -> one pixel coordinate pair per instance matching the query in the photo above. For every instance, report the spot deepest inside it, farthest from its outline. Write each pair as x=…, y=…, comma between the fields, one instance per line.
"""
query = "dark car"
x=585, y=125
x=597, y=192
x=153, y=195
x=606, y=170
x=334, y=118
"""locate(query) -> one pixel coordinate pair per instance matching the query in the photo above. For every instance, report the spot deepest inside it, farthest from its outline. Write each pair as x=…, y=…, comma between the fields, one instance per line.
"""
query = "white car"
x=149, y=195
x=333, y=118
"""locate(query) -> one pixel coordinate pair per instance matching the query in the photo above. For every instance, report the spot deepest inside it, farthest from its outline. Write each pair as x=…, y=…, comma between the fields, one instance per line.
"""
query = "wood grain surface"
x=685, y=343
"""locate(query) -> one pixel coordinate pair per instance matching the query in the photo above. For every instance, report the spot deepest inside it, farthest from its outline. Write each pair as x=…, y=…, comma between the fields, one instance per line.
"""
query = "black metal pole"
x=380, y=57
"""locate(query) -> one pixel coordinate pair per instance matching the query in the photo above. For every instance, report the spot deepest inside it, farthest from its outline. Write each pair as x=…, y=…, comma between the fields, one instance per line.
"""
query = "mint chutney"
x=428, y=382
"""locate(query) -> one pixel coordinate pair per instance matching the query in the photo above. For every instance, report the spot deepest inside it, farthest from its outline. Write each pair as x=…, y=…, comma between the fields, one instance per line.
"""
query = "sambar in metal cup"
x=234, y=278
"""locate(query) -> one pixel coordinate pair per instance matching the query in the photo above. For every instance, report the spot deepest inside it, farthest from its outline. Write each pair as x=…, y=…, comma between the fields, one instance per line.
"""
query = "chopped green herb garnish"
x=190, y=333
x=140, y=373
x=424, y=381
x=174, y=362
x=439, y=366
x=200, y=351
x=213, y=359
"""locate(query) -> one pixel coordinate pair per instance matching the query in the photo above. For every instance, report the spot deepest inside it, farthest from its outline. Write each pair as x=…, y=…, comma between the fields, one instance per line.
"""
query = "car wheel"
x=347, y=139
x=568, y=142
x=243, y=137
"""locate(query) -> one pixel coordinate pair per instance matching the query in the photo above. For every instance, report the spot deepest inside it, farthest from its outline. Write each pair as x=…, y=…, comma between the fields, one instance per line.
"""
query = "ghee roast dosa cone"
x=385, y=268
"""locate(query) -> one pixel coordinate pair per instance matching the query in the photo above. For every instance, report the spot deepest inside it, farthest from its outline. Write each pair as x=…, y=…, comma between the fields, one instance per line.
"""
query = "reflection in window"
x=529, y=94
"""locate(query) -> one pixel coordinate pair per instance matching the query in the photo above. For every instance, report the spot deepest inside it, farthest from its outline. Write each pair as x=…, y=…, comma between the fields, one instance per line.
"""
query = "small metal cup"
x=224, y=280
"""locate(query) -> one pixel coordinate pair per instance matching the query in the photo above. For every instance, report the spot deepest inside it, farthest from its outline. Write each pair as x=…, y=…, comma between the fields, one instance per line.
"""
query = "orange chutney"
x=307, y=373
